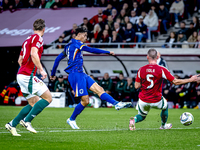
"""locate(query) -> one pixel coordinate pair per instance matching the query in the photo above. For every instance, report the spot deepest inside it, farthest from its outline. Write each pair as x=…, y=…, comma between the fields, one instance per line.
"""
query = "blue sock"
x=77, y=110
x=108, y=98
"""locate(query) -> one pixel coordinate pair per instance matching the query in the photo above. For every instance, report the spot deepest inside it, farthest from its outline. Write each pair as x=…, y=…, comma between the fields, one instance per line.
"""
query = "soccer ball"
x=186, y=118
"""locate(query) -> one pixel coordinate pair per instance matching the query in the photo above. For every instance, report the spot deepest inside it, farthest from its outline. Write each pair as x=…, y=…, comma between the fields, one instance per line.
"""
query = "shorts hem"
x=81, y=95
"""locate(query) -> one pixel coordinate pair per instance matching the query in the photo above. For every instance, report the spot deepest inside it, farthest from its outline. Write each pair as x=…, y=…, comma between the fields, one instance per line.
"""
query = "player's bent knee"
x=97, y=89
x=47, y=96
x=33, y=100
x=49, y=100
x=100, y=91
x=32, y=104
x=85, y=100
x=84, y=103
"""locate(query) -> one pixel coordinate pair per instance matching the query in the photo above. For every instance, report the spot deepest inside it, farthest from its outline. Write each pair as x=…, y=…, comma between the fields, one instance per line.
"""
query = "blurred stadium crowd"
x=140, y=21
x=126, y=20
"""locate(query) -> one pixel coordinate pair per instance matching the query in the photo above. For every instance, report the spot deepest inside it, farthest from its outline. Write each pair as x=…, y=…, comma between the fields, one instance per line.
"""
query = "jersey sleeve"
x=94, y=50
x=138, y=77
x=56, y=63
x=35, y=41
x=21, y=52
x=167, y=75
x=83, y=47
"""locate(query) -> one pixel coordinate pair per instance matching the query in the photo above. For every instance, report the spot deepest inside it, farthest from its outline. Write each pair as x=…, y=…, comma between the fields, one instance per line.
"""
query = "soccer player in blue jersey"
x=79, y=81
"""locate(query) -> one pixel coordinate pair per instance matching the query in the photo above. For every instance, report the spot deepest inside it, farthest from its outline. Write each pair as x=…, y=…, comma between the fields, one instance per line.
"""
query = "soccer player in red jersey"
x=149, y=80
x=31, y=86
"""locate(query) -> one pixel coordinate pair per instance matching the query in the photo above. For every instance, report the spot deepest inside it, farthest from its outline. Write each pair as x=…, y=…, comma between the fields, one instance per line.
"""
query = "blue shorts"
x=80, y=83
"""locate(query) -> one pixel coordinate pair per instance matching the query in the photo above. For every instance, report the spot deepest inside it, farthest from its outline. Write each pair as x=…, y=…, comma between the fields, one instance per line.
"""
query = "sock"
x=164, y=116
x=77, y=110
x=37, y=108
x=139, y=118
x=108, y=98
x=22, y=114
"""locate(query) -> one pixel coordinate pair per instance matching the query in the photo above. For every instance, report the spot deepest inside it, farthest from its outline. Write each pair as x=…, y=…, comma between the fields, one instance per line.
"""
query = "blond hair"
x=95, y=28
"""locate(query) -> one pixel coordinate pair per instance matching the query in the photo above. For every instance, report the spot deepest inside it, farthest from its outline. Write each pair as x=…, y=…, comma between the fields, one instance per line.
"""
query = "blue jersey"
x=73, y=52
x=75, y=57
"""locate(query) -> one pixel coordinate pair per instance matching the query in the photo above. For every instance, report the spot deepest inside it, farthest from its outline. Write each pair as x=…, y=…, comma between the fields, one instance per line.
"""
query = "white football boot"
x=121, y=105
x=12, y=130
x=166, y=126
x=28, y=126
x=72, y=123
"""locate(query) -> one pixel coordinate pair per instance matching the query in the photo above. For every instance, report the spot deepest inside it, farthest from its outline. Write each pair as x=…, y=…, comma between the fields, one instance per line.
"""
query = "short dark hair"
x=130, y=23
x=85, y=18
x=183, y=22
x=152, y=53
x=191, y=23
x=39, y=24
x=81, y=30
x=121, y=74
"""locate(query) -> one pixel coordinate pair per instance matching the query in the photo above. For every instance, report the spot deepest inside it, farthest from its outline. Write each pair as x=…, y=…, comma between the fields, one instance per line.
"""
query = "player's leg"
x=11, y=126
x=24, y=112
x=37, y=108
x=80, y=107
x=79, y=85
x=143, y=109
x=164, y=114
x=106, y=97
x=23, y=83
x=77, y=110
x=102, y=94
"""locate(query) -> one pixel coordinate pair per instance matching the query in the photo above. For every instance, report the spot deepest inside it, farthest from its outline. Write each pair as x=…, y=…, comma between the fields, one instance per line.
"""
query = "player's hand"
x=44, y=74
x=194, y=78
x=112, y=53
x=198, y=78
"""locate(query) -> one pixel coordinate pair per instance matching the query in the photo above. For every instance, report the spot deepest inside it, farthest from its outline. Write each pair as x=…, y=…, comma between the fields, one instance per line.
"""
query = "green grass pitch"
x=103, y=128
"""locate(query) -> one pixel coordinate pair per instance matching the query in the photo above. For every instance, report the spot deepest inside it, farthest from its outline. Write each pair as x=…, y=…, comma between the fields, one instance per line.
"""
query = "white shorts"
x=143, y=107
x=31, y=87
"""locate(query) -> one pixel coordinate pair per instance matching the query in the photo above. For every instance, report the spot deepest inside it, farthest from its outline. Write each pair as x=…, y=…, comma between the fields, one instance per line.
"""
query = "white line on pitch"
x=3, y=128
x=100, y=130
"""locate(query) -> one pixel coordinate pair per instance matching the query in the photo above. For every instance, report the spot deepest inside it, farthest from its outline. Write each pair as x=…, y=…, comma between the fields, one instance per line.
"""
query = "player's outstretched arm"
x=56, y=63
x=36, y=60
x=184, y=81
x=96, y=50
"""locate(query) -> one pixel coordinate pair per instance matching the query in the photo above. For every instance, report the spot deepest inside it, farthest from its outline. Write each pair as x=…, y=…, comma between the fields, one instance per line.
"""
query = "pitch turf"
x=103, y=128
